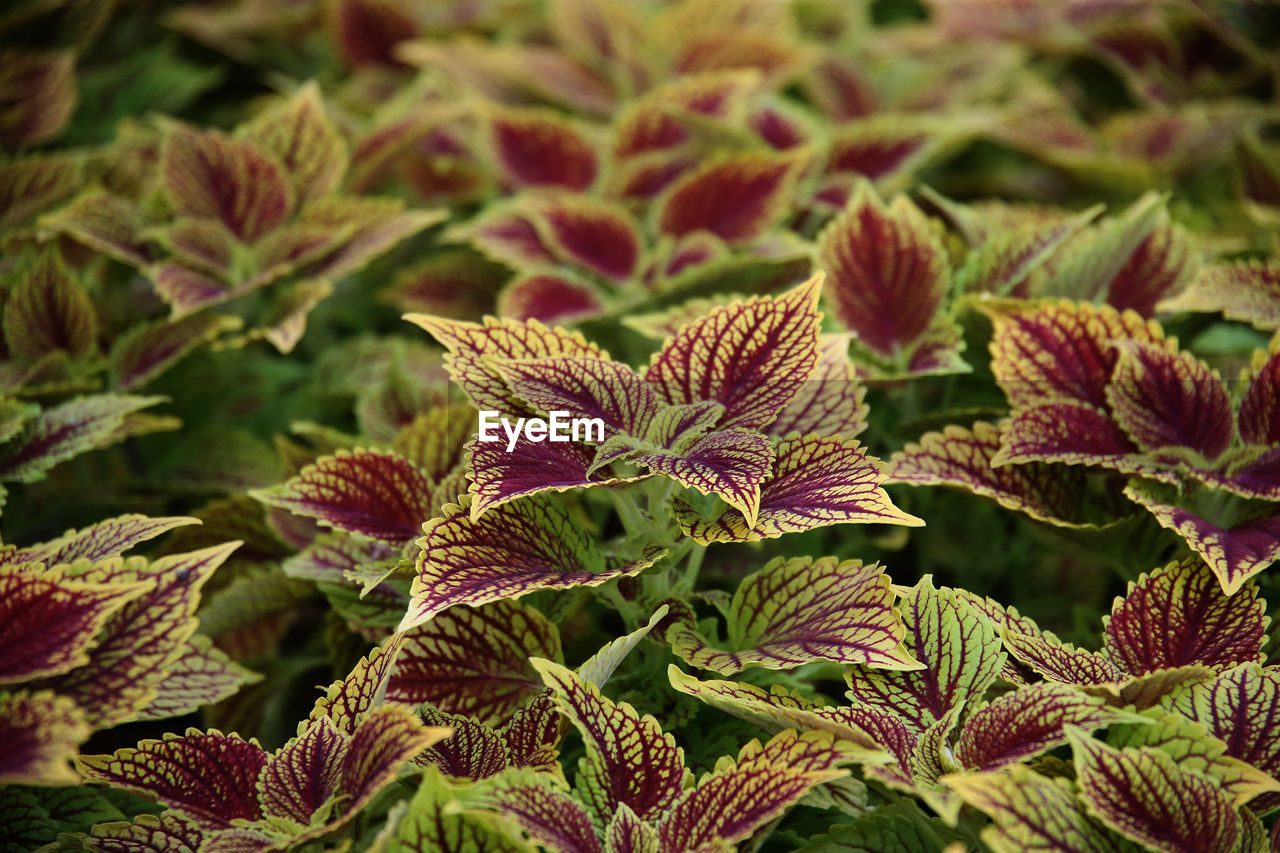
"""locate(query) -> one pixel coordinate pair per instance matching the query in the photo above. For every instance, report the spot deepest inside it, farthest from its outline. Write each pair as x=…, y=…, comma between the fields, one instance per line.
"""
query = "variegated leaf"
x=728, y=804
x=629, y=760
x=169, y=833
x=48, y=311
x=799, y=610
x=550, y=816
x=303, y=775
x=475, y=660
x=1235, y=553
x=307, y=143
x=535, y=148
x=42, y=732
x=737, y=198
x=372, y=492
x=499, y=475
x=208, y=776
x=888, y=272
x=1060, y=351
x=208, y=174
x=201, y=675
x=1164, y=399
x=346, y=702
x=1178, y=615
x=816, y=482
x=68, y=430
x=730, y=464
x=751, y=357
x=963, y=458
x=139, y=643
x=1237, y=707
x=1027, y=722
x=471, y=345
x=1033, y=814
x=49, y=623
x=1248, y=291
x=1145, y=796
x=512, y=550
x=959, y=650
x=473, y=750
x=585, y=388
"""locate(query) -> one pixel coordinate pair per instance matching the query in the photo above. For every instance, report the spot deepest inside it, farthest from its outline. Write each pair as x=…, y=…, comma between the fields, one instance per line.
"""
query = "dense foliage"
x=934, y=350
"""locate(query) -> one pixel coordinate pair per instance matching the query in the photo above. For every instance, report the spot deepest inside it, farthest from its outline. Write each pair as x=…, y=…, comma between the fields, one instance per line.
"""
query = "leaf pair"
x=237, y=793
x=93, y=640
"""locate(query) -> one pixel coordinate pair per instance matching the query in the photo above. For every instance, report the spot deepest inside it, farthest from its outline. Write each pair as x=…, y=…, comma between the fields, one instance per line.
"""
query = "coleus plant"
x=93, y=639
x=1092, y=386
x=228, y=214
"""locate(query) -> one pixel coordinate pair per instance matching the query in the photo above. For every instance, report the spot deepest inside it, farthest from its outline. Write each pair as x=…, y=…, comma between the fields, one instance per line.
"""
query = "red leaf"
x=210, y=174
x=541, y=149
x=372, y=492
x=736, y=198
x=887, y=272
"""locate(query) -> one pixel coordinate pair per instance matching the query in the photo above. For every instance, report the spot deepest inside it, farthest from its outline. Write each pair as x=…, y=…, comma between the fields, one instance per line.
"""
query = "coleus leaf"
x=514, y=549
x=1004, y=261
x=33, y=183
x=1162, y=264
x=50, y=623
x=629, y=760
x=38, y=89
x=208, y=776
x=1027, y=722
x=499, y=476
x=97, y=542
x=1072, y=433
x=473, y=751
x=831, y=401
x=888, y=272
x=1235, y=553
x=48, y=311
x=550, y=815
x=1237, y=707
x=1060, y=351
x=68, y=430
x=816, y=482
x=202, y=674
x=303, y=775
x=1033, y=813
x=384, y=740
x=143, y=639
x=729, y=463
x=550, y=297
x=42, y=732
x=169, y=833
x=729, y=803
x=436, y=822
x=208, y=174
x=1248, y=291
x=307, y=143
x=472, y=345
x=535, y=148
x=794, y=611
x=1164, y=399
x=375, y=493
x=1108, y=254
x=375, y=225
x=1145, y=796
x=475, y=660
x=585, y=388
x=145, y=351
x=596, y=235
x=347, y=701
x=960, y=652
x=963, y=458
x=736, y=198
x=1178, y=615
x=866, y=733
x=751, y=357
x=105, y=223
x=1193, y=748
x=1257, y=419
